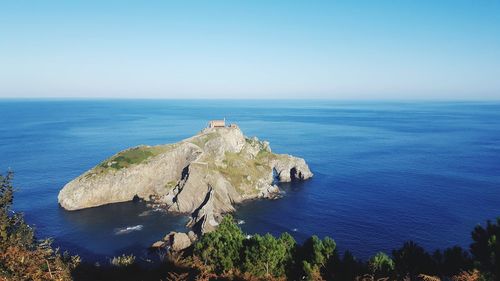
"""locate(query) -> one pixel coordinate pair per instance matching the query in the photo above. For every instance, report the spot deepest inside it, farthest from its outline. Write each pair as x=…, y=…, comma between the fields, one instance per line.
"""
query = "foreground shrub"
x=21, y=257
x=453, y=261
x=221, y=248
x=412, y=260
x=226, y=254
x=266, y=255
x=18, y=263
x=381, y=265
x=486, y=248
x=123, y=260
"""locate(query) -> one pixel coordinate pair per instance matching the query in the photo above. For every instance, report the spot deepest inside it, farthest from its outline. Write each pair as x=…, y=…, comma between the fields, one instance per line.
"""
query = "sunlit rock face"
x=203, y=176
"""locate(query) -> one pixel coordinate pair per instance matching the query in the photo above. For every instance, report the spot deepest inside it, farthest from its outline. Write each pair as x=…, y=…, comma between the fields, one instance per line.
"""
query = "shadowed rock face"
x=203, y=176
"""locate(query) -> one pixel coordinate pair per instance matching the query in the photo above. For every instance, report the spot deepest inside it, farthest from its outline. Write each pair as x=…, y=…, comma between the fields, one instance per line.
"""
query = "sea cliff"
x=203, y=176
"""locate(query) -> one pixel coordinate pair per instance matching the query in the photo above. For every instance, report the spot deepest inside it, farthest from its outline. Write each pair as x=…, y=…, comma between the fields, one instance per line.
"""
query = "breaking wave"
x=145, y=213
x=128, y=229
x=150, y=212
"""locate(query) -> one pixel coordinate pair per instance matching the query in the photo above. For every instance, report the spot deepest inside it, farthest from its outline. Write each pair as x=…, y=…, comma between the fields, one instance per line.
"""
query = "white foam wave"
x=145, y=213
x=128, y=229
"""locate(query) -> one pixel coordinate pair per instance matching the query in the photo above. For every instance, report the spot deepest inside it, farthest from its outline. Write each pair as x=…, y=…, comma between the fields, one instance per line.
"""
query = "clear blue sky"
x=434, y=49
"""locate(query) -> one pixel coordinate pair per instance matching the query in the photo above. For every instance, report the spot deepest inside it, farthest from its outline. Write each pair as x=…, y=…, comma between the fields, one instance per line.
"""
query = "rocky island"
x=202, y=176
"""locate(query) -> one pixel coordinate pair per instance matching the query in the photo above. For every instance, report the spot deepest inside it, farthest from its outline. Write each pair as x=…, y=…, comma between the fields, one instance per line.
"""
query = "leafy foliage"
x=452, y=261
x=381, y=265
x=13, y=230
x=345, y=268
x=21, y=257
x=315, y=254
x=227, y=254
x=266, y=255
x=486, y=248
x=412, y=260
x=226, y=251
x=221, y=248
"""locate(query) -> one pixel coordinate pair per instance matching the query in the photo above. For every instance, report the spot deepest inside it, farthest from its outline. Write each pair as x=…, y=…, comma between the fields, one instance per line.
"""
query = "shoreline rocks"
x=175, y=241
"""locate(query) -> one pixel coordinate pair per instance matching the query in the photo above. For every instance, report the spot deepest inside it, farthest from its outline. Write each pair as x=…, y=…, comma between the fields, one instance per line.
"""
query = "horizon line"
x=249, y=99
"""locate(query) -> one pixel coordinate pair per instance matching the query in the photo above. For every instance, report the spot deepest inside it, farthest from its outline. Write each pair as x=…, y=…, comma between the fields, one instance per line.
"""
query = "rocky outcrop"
x=106, y=184
x=203, y=176
x=291, y=168
x=159, y=244
x=176, y=241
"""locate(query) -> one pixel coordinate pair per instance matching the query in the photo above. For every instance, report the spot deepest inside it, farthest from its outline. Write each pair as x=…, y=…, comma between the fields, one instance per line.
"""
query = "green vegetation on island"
x=219, y=163
x=129, y=157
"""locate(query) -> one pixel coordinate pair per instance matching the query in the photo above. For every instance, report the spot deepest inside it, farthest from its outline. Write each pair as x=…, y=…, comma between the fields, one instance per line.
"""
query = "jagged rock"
x=203, y=176
x=158, y=244
x=291, y=168
x=106, y=184
x=178, y=241
x=192, y=236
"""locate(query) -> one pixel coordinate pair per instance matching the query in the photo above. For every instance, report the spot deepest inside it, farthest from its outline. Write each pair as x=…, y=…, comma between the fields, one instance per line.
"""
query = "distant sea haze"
x=384, y=172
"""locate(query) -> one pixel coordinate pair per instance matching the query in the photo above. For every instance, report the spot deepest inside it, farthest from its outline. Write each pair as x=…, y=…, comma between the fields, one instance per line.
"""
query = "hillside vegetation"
x=229, y=254
x=129, y=157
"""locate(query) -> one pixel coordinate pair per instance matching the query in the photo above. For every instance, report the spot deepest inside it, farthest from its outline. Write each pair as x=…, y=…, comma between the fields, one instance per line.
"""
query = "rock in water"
x=177, y=241
x=202, y=176
x=158, y=244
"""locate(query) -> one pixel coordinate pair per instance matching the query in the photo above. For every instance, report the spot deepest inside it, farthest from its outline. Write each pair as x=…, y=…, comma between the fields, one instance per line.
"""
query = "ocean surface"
x=384, y=172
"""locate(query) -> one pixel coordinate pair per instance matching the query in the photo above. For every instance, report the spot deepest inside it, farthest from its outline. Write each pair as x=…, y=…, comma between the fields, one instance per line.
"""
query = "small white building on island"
x=217, y=123
x=221, y=124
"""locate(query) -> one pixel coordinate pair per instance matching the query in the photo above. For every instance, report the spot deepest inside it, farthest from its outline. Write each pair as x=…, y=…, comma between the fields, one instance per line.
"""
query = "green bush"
x=381, y=265
x=21, y=257
x=266, y=255
x=13, y=229
x=221, y=248
x=486, y=248
x=227, y=254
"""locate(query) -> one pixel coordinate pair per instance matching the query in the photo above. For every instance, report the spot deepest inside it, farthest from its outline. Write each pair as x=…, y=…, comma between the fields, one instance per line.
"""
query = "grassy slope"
x=128, y=158
x=203, y=139
x=242, y=172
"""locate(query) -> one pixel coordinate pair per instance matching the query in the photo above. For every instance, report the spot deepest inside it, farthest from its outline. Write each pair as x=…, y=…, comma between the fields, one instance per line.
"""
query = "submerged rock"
x=203, y=176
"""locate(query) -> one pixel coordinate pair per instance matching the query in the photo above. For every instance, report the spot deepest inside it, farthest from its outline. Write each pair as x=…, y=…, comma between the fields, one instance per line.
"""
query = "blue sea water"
x=385, y=172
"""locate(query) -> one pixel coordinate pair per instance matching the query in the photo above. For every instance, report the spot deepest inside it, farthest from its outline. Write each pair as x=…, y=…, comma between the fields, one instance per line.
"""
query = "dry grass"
x=242, y=172
x=170, y=184
x=173, y=276
x=202, y=140
x=474, y=275
x=123, y=260
x=369, y=277
x=18, y=264
x=429, y=277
